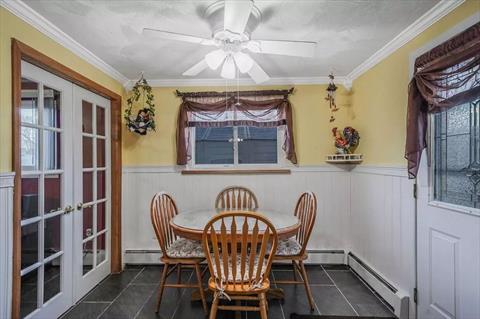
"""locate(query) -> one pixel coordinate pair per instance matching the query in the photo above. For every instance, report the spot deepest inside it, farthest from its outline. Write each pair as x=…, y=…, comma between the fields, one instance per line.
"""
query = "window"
x=456, y=155
x=232, y=146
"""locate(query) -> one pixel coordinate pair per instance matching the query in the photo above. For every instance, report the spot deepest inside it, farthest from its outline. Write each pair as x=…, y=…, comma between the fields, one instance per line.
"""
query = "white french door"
x=47, y=193
x=92, y=191
x=65, y=159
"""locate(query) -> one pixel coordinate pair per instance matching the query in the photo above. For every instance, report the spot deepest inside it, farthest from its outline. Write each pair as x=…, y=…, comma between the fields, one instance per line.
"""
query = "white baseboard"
x=152, y=257
x=397, y=299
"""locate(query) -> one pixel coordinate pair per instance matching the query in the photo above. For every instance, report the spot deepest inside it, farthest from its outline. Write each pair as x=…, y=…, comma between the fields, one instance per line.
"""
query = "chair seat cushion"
x=288, y=247
x=185, y=248
x=238, y=276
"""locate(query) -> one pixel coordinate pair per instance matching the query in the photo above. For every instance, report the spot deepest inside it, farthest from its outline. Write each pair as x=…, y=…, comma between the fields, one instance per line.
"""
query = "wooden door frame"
x=20, y=51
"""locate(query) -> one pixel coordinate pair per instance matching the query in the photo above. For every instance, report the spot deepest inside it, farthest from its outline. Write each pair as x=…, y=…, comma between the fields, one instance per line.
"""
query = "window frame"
x=281, y=154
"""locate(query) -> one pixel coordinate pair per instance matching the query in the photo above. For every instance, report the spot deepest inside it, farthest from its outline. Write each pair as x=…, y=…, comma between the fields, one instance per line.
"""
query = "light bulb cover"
x=228, y=69
x=243, y=61
x=215, y=58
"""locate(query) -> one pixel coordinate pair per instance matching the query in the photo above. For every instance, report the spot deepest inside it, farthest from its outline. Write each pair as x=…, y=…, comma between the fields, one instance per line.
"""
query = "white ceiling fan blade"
x=176, y=36
x=236, y=15
x=197, y=68
x=243, y=61
x=215, y=58
x=228, y=69
x=293, y=48
x=257, y=73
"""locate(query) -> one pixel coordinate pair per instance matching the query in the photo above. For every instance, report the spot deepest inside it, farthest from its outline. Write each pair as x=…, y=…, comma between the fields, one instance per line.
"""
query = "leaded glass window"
x=457, y=155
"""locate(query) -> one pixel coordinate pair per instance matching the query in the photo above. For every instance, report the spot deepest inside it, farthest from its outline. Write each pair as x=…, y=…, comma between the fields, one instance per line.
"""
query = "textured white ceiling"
x=348, y=32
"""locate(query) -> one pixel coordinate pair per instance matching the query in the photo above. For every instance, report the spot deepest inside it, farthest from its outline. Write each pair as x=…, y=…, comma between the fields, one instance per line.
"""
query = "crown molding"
x=33, y=18
x=440, y=10
x=242, y=82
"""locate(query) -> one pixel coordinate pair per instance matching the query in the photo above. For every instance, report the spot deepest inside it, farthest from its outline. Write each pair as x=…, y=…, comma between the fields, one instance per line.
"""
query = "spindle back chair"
x=241, y=246
x=176, y=252
x=294, y=249
x=236, y=198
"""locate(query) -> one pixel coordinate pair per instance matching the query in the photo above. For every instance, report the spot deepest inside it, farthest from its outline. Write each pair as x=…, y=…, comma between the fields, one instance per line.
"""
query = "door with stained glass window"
x=46, y=194
x=92, y=190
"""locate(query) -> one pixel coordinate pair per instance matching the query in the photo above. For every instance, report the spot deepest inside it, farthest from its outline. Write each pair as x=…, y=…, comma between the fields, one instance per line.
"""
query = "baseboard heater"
x=152, y=256
x=397, y=299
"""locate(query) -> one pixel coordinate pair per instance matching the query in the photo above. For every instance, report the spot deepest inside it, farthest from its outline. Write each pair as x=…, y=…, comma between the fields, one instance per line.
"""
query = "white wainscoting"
x=6, y=210
x=275, y=192
x=382, y=225
x=368, y=210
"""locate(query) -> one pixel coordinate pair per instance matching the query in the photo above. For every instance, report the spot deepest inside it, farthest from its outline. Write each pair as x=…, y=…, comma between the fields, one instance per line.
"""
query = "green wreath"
x=144, y=121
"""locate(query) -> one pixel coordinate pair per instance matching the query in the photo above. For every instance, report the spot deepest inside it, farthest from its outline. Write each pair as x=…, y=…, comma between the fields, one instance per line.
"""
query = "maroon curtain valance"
x=446, y=76
x=229, y=110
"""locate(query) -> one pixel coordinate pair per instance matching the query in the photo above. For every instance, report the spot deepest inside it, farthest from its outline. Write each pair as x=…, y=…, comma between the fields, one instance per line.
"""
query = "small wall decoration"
x=347, y=142
x=331, y=93
x=144, y=120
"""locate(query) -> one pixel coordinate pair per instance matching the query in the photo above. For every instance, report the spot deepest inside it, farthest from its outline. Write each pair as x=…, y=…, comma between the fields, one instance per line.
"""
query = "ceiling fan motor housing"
x=214, y=14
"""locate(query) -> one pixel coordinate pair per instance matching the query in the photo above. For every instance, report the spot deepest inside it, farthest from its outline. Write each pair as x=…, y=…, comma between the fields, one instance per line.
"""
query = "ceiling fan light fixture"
x=215, y=58
x=228, y=69
x=243, y=61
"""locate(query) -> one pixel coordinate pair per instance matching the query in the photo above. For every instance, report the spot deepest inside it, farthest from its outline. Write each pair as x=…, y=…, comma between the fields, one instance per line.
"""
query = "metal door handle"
x=68, y=209
x=82, y=205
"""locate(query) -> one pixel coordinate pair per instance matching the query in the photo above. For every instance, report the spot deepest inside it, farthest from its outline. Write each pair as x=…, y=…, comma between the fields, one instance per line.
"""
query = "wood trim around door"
x=21, y=51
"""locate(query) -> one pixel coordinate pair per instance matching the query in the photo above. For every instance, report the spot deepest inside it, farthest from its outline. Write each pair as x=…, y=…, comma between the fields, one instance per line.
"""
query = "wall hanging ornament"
x=144, y=120
x=347, y=142
x=331, y=89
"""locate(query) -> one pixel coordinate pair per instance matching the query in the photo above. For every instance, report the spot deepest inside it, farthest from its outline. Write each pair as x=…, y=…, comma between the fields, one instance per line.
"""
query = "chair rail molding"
x=6, y=228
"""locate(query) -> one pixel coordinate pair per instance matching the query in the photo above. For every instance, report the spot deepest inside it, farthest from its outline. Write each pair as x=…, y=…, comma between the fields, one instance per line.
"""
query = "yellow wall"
x=376, y=106
x=312, y=129
x=13, y=27
x=380, y=95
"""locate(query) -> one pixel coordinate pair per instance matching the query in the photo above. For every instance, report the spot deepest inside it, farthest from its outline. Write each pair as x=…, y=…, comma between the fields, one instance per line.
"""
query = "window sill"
x=235, y=171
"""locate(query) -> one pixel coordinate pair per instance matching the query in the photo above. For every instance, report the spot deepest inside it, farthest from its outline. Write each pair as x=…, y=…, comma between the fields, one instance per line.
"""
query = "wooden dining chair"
x=176, y=251
x=236, y=198
x=294, y=248
x=241, y=246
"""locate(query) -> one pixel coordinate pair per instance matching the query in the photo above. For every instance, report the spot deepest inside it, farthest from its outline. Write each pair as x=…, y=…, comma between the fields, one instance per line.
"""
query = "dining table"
x=190, y=225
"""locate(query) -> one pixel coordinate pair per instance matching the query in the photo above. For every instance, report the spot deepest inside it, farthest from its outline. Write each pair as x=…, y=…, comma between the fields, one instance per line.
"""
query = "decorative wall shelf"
x=344, y=158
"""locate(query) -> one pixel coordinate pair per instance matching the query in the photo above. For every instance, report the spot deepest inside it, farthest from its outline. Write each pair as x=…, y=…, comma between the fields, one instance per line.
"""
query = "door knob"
x=68, y=209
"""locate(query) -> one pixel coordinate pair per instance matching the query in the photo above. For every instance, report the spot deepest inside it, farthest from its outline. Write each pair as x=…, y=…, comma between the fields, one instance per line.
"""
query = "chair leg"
x=200, y=287
x=162, y=286
x=179, y=273
x=263, y=306
x=294, y=270
x=307, y=285
x=213, y=311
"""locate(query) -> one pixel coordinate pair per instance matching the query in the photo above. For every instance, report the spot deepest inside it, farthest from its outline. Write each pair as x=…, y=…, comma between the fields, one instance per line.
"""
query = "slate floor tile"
x=359, y=295
x=111, y=287
x=316, y=276
x=86, y=310
x=330, y=301
x=129, y=303
x=133, y=294
x=151, y=275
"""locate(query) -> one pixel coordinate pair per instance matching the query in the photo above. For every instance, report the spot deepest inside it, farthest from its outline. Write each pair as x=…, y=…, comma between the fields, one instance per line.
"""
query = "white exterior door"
x=448, y=218
x=92, y=190
x=65, y=192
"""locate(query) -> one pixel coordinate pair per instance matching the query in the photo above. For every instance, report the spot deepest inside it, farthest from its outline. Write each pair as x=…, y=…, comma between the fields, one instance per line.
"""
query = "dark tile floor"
x=132, y=294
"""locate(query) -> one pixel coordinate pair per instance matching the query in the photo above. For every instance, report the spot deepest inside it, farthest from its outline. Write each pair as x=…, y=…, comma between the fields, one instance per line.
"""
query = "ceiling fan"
x=232, y=22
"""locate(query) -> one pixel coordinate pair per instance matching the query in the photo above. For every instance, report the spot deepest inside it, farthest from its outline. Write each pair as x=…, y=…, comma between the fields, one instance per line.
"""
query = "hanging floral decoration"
x=144, y=120
x=331, y=93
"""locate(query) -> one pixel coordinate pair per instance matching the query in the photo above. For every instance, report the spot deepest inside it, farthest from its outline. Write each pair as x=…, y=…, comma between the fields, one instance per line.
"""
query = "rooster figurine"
x=347, y=142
